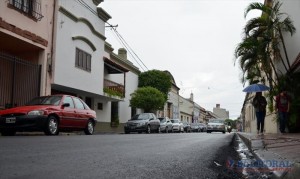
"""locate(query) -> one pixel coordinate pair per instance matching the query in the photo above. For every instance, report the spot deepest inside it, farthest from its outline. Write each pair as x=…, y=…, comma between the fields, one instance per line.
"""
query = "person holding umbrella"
x=260, y=103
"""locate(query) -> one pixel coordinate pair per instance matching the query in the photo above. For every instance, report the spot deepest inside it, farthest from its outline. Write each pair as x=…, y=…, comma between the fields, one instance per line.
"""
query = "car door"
x=81, y=114
x=68, y=112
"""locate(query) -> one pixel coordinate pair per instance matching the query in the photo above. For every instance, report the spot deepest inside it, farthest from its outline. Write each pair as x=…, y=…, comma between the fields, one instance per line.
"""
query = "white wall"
x=65, y=72
x=292, y=8
x=131, y=86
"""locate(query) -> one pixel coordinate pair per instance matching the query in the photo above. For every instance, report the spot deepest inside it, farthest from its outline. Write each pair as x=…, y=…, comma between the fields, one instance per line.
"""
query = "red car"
x=50, y=114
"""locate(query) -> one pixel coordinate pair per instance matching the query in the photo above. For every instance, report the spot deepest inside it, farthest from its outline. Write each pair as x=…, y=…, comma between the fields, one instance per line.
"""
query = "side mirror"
x=66, y=105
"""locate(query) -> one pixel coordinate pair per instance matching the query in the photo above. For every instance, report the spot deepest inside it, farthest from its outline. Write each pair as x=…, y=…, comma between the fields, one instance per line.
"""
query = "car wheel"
x=167, y=130
x=51, y=126
x=223, y=132
x=148, y=129
x=89, y=129
x=208, y=131
x=8, y=132
x=158, y=130
x=127, y=132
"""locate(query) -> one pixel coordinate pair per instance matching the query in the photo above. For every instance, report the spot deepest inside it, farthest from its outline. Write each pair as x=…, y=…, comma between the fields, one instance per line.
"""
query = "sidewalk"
x=276, y=147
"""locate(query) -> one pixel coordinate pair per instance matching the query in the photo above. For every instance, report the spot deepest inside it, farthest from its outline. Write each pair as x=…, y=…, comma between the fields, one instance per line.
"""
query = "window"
x=83, y=60
x=69, y=100
x=100, y=106
x=78, y=103
x=31, y=8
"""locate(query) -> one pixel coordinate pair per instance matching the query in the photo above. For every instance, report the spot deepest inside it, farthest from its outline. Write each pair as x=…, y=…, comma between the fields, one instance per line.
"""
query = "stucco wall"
x=291, y=7
x=66, y=73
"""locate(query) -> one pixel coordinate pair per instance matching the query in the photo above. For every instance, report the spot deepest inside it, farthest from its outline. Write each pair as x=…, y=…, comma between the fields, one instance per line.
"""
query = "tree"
x=156, y=79
x=263, y=38
x=267, y=48
x=147, y=98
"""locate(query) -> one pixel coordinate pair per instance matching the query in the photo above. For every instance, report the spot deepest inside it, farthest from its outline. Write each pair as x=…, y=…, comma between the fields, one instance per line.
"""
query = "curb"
x=257, y=148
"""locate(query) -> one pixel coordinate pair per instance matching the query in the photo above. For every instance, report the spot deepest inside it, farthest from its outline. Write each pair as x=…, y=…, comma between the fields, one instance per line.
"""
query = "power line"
x=131, y=49
x=119, y=36
x=125, y=46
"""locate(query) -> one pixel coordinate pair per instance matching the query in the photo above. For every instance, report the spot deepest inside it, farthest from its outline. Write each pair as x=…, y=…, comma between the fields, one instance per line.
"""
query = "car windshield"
x=216, y=121
x=45, y=100
x=162, y=119
x=140, y=117
x=175, y=121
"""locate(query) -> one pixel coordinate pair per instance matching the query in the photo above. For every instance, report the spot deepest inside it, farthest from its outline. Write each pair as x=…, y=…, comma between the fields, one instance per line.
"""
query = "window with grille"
x=83, y=60
x=31, y=8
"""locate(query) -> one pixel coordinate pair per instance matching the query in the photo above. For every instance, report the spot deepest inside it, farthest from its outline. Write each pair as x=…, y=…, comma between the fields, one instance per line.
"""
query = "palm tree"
x=271, y=26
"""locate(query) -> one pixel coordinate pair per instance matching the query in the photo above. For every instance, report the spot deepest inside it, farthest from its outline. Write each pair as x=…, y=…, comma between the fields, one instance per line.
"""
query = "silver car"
x=144, y=122
x=216, y=125
x=165, y=125
x=177, y=125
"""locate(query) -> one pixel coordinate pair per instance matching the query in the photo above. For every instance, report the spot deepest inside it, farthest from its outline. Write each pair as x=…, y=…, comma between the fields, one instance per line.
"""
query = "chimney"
x=217, y=105
x=122, y=53
x=192, y=97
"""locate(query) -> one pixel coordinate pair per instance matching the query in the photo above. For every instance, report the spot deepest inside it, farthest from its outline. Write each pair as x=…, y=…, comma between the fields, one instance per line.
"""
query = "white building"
x=84, y=64
x=221, y=112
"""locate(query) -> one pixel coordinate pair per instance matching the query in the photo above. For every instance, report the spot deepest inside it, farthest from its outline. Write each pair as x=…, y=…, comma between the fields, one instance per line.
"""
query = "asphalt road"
x=187, y=155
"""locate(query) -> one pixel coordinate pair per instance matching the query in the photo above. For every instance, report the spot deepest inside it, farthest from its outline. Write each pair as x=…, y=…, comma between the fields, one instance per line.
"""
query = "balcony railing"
x=113, y=88
x=31, y=8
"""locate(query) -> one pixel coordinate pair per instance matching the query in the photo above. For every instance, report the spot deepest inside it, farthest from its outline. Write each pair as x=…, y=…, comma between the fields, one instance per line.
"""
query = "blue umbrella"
x=256, y=88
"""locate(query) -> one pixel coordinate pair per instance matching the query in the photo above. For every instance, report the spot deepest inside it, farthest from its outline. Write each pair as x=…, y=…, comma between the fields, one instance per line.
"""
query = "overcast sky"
x=193, y=39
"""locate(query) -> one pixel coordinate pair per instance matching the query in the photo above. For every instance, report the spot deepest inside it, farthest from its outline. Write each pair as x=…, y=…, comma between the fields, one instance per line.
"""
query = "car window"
x=69, y=100
x=143, y=116
x=216, y=121
x=175, y=121
x=162, y=119
x=78, y=103
x=140, y=117
x=45, y=100
x=85, y=105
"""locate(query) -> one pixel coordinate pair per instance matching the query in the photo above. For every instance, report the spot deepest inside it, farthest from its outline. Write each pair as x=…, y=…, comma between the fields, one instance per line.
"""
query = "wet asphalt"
x=176, y=155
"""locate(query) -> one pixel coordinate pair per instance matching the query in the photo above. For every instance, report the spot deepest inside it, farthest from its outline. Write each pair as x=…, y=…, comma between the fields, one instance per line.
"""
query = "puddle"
x=247, y=160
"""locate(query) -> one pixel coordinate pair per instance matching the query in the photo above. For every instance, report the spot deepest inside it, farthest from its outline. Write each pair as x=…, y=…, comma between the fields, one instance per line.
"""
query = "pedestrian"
x=283, y=108
x=260, y=103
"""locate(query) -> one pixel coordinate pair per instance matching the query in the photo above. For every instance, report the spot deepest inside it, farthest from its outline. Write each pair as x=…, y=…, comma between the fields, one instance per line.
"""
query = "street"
x=187, y=155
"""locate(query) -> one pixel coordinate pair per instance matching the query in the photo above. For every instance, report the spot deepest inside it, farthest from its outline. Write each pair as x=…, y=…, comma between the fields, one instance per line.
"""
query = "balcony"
x=113, y=89
x=30, y=8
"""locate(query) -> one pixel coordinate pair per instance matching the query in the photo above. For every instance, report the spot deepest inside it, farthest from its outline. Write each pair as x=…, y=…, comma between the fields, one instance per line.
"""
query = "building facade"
x=26, y=29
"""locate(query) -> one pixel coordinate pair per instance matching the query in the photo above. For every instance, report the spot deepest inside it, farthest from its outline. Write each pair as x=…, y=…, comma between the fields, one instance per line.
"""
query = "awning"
x=112, y=67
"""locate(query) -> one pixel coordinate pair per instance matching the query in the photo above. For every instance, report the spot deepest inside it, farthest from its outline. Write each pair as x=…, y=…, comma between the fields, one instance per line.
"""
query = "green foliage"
x=111, y=92
x=147, y=98
x=231, y=123
x=156, y=79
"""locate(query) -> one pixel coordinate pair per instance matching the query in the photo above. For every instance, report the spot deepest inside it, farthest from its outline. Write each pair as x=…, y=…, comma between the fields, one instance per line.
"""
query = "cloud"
x=193, y=39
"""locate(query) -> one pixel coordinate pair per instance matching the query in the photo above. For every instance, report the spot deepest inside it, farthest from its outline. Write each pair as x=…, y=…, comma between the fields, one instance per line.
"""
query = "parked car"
x=195, y=127
x=203, y=127
x=50, y=114
x=177, y=125
x=216, y=125
x=186, y=126
x=144, y=122
x=165, y=125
